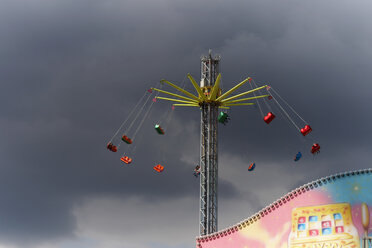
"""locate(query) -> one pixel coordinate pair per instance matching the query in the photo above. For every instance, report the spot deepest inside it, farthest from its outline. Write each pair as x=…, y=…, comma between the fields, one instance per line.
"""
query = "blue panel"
x=301, y=227
x=326, y=231
x=337, y=216
x=313, y=218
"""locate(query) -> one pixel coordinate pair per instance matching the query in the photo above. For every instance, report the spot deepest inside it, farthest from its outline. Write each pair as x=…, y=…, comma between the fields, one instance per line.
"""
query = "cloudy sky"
x=72, y=70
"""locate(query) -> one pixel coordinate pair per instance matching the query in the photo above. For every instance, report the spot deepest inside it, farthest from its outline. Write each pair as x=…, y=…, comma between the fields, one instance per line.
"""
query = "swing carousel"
x=213, y=102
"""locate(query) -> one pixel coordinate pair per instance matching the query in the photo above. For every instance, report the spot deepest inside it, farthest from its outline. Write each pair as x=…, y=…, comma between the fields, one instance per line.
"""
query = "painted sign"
x=323, y=225
x=333, y=212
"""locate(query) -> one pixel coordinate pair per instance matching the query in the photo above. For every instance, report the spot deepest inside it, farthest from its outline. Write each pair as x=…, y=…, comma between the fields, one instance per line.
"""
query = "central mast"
x=209, y=99
x=208, y=147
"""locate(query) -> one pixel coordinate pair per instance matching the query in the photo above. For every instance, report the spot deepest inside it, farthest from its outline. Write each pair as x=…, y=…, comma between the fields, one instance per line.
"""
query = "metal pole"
x=208, y=148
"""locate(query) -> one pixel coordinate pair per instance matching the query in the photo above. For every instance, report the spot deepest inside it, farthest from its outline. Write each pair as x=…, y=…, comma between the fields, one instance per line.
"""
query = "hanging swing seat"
x=269, y=117
x=197, y=171
x=315, y=148
x=159, y=168
x=126, y=159
x=111, y=147
x=298, y=156
x=223, y=118
x=159, y=129
x=306, y=130
x=126, y=139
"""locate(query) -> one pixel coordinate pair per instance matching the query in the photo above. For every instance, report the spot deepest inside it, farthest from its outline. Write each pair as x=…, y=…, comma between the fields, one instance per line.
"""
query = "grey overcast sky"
x=72, y=70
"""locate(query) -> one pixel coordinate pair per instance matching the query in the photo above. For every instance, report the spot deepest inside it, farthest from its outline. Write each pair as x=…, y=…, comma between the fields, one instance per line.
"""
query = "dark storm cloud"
x=72, y=70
